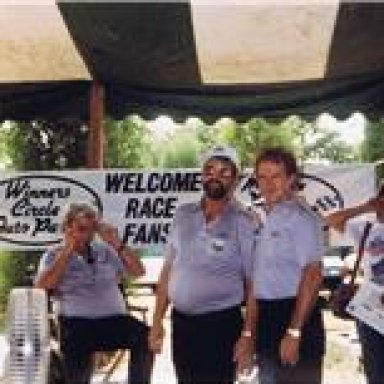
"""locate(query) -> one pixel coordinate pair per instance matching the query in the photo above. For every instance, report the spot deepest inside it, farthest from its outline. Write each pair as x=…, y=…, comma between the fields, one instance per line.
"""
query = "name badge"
x=217, y=244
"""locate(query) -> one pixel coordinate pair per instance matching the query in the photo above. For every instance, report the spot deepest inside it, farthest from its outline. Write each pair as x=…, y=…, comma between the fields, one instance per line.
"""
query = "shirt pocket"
x=281, y=248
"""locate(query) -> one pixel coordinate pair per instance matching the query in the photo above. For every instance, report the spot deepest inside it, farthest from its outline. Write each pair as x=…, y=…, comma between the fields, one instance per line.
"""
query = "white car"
x=335, y=266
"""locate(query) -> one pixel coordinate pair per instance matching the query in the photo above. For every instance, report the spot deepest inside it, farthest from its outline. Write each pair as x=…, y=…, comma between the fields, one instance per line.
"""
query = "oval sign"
x=31, y=207
x=321, y=195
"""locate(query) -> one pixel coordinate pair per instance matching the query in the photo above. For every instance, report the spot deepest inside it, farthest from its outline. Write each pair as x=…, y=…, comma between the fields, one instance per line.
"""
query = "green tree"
x=251, y=137
x=373, y=144
x=128, y=143
x=312, y=143
x=45, y=145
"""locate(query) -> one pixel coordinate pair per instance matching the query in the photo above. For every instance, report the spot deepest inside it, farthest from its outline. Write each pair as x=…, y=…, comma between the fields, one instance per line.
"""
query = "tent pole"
x=96, y=126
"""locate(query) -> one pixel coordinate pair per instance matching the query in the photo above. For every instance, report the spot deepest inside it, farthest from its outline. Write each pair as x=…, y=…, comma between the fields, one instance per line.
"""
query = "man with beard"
x=206, y=277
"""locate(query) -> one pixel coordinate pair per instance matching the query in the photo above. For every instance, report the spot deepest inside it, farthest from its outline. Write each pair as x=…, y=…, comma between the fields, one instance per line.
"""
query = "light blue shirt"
x=89, y=290
x=291, y=238
x=210, y=262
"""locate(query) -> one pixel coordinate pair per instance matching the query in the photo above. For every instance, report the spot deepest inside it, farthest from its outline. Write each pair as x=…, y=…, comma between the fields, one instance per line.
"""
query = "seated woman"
x=84, y=272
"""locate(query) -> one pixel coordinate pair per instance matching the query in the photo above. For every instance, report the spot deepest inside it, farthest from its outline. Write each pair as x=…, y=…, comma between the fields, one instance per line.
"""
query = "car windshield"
x=339, y=251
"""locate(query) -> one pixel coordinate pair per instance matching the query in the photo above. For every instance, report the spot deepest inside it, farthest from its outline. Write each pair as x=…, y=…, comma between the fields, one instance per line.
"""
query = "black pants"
x=80, y=337
x=372, y=347
x=202, y=346
x=274, y=319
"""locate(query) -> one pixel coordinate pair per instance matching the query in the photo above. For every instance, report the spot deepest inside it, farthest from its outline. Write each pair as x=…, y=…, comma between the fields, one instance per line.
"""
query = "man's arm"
x=156, y=334
x=310, y=284
x=250, y=310
x=338, y=220
x=244, y=347
x=309, y=287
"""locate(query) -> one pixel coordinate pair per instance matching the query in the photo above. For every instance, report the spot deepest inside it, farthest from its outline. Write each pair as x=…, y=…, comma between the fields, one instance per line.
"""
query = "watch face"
x=294, y=332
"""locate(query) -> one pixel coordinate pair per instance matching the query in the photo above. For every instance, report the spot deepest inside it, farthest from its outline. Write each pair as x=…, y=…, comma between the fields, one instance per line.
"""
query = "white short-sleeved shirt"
x=373, y=256
x=292, y=237
x=210, y=262
x=89, y=290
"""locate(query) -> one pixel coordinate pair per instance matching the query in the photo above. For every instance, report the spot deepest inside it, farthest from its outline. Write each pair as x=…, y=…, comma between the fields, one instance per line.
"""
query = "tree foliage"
x=128, y=143
x=45, y=145
x=373, y=145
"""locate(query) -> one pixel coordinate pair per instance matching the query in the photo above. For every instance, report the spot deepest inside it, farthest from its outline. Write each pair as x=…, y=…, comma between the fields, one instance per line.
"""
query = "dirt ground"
x=341, y=365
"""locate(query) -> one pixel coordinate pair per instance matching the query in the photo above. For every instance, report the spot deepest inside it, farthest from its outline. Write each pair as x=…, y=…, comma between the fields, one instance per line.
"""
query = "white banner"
x=142, y=203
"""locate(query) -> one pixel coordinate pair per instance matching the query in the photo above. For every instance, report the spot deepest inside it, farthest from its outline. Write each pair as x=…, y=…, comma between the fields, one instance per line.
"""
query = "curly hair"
x=279, y=155
x=76, y=210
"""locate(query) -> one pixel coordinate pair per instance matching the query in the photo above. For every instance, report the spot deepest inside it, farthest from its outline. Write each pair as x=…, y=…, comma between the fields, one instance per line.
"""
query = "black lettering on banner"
x=186, y=182
x=113, y=182
x=166, y=230
x=250, y=188
x=170, y=207
x=24, y=207
x=140, y=187
x=129, y=232
x=18, y=188
x=132, y=210
x=120, y=182
x=153, y=182
x=17, y=227
x=146, y=233
x=195, y=185
x=158, y=207
x=44, y=224
x=146, y=208
x=34, y=206
x=166, y=182
x=326, y=203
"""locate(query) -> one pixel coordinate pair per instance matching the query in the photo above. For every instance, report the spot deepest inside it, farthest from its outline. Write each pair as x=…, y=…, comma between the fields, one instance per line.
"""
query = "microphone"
x=90, y=259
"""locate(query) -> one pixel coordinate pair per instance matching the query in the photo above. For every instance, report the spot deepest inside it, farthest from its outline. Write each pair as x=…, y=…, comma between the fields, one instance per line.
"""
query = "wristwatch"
x=246, y=334
x=294, y=332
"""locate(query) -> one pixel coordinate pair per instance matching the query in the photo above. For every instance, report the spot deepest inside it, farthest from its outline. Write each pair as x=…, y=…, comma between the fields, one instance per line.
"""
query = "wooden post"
x=96, y=126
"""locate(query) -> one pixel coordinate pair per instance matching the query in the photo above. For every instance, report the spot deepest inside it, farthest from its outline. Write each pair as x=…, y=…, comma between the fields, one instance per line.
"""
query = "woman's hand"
x=109, y=234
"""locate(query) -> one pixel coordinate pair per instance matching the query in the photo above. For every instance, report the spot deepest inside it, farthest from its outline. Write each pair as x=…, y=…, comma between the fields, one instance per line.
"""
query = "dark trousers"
x=203, y=345
x=372, y=347
x=80, y=337
x=274, y=319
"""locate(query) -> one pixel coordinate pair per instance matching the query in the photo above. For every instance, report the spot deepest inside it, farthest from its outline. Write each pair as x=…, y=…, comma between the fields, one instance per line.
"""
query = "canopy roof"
x=206, y=58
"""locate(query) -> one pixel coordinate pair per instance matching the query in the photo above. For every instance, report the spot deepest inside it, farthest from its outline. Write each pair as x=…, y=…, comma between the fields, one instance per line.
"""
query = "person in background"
x=206, y=277
x=290, y=339
x=348, y=221
x=83, y=273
